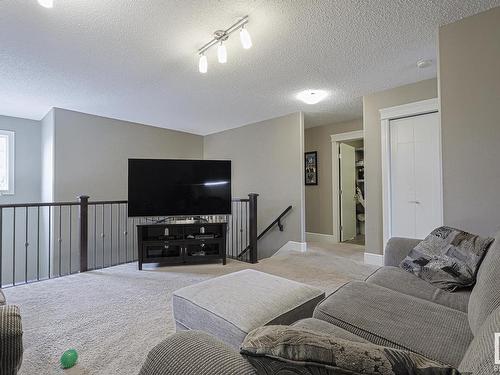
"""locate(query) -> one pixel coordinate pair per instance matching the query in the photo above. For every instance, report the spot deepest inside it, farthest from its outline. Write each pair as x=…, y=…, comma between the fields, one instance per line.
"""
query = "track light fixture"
x=220, y=36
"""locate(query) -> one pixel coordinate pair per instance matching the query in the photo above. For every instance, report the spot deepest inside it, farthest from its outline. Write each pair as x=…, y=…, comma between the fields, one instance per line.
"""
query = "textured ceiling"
x=136, y=59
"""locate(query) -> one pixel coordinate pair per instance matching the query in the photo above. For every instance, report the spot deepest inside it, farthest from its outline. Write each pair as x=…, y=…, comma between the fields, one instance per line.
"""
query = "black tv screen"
x=178, y=187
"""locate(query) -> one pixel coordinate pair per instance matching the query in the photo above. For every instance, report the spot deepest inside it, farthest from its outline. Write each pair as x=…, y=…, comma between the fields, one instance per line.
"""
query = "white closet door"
x=415, y=176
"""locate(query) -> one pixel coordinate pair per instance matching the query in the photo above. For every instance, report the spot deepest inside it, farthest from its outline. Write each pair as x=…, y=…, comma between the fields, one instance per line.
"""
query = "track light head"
x=246, y=40
x=222, y=53
x=203, y=64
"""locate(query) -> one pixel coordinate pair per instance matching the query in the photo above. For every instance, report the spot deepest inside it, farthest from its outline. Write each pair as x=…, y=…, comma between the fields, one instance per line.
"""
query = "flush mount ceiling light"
x=312, y=96
x=424, y=63
x=220, y=37
x=46, y=3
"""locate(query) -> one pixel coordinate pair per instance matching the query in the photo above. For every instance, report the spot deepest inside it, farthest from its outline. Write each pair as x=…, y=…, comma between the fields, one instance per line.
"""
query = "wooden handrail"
x=277, y=221
x=57, y=204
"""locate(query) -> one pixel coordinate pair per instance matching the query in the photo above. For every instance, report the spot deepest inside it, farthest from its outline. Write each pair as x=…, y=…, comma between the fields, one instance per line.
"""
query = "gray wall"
x=373, y=165
x=26, y=189
x=469, y=72
x=267, y=158
x=91, y=153
x=318, y=198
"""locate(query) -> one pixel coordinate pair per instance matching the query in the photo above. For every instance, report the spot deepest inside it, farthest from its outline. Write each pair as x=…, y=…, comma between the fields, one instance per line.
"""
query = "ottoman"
x=232, y=305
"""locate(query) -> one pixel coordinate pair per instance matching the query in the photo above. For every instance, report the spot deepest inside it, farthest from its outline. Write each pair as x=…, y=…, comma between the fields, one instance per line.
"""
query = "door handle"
x=416, y=202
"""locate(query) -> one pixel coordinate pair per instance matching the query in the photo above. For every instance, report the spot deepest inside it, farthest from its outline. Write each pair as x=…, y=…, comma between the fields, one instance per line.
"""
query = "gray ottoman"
x=230, y=306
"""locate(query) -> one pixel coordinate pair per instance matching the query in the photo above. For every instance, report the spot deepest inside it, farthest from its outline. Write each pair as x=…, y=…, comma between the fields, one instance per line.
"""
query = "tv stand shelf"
x=177, y=243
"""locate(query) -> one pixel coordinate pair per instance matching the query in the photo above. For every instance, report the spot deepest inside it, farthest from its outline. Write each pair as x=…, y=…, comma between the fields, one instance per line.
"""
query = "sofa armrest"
x=195, y=352
x=397, y=249
x=11, y=340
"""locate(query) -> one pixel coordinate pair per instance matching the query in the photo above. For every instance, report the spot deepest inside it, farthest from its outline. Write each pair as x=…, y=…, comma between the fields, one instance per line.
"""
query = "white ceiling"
x=136, y=59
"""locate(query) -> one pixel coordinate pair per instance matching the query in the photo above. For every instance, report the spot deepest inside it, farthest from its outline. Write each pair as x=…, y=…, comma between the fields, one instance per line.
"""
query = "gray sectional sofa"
x=391, y=308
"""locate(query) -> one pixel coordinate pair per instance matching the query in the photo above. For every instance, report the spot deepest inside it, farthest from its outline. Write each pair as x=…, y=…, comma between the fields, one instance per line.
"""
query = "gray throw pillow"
x=292, y=350
x=448, y=258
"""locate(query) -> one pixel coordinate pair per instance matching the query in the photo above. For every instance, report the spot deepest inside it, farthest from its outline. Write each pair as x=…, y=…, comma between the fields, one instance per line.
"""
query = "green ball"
x=69, y=358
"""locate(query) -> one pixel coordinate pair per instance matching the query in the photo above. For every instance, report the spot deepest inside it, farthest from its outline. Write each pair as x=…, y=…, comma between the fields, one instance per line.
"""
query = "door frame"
x=392, y=113
x=336, y=139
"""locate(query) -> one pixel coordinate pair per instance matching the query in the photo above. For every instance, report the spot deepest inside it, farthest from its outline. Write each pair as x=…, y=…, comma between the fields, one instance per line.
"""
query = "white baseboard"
x=375, y=259
x=293, y=246
x=320, y=237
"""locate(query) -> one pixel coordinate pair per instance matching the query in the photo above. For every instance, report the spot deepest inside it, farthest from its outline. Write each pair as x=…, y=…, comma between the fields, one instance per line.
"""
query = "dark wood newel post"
x=84, y=231
x=252, y=227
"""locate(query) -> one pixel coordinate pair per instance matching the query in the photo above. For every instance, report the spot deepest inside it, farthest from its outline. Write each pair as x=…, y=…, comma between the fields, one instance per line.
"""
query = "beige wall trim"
x=336, y=139
x=410, y=109
x=375, y=259
x=320, y=237
x=302, y=181
x=292, y=246
x=386, y=115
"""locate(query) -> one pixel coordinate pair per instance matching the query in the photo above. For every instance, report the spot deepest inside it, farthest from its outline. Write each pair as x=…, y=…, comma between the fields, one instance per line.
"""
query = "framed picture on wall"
x=311, y=168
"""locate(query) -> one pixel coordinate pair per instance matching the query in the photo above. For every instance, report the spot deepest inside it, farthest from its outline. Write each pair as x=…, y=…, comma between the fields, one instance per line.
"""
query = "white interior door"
x=415, y=177
x=347, y=192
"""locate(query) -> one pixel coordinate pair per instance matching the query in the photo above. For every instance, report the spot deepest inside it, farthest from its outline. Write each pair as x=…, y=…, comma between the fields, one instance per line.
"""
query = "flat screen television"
x=171, y=187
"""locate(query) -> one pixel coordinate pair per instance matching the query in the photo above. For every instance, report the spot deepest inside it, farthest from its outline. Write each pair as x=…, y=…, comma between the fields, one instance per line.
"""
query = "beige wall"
x=371, y=122
x=469, y=71
x=91, y=153
x=318, y=198
x=267, y=158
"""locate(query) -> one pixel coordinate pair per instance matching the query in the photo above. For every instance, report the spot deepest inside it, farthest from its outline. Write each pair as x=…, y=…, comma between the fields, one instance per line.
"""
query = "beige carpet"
x=113, y=317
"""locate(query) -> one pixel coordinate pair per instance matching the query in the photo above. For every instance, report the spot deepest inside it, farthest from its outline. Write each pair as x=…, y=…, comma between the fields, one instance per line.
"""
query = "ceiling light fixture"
x=424, y=63
x=46, y=3
x=312, y=96
x=220, y=36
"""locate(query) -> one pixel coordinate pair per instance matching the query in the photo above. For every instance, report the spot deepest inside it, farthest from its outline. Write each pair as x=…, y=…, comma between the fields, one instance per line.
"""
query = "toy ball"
x=69, y=358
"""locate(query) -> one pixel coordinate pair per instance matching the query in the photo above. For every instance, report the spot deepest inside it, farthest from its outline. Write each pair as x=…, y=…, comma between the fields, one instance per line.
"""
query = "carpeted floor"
x=113, y=317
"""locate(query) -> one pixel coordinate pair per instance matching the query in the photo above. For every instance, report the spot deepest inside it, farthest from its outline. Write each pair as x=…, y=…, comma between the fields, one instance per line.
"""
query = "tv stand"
x=181, y=242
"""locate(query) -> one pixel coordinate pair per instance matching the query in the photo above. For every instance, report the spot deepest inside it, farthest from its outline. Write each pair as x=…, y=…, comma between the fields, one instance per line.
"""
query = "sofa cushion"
x=485, y=296
x=479, y=359
x=397, y=279
x=447, y=258
x=292, y=350
x=321, y=326
x=230, y=306
x=390, y=318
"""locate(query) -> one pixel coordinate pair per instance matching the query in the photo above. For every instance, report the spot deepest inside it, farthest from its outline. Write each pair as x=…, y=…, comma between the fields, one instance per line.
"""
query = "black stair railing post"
x=83, y=216
x=252, y=226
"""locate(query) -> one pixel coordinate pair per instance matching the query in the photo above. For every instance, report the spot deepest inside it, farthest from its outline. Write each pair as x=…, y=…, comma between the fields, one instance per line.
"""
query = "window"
x=6, y=162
